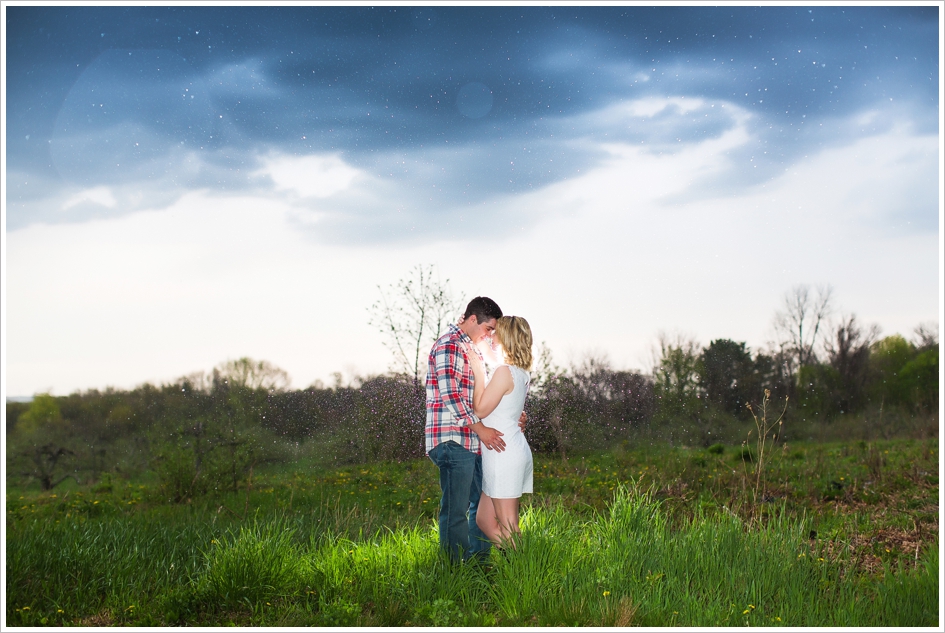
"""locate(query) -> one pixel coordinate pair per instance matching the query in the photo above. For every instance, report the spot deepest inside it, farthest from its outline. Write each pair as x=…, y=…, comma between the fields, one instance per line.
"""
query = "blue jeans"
x=461, y=484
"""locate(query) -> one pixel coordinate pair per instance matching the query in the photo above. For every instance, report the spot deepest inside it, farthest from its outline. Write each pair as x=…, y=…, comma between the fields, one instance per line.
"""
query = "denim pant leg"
x=457, y=472
x=479, y=543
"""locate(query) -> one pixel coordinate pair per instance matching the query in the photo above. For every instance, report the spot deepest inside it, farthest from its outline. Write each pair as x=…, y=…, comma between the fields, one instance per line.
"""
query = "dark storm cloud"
x=451, y=105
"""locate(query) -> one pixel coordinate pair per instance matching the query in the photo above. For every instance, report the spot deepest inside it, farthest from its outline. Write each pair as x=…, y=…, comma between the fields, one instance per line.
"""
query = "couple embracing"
x=474, y=428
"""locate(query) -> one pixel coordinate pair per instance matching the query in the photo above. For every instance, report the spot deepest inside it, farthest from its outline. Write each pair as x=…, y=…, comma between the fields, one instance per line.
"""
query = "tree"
x=42, y=438
x=412, y=314
x=43, y=412
x=848, y=352
x=920, y=379
x=818, y=390
x=681, y=413
x=553, y=416
x=888, y=357
x=675, y=375
x=386, y=422
x=926, y=336
x=612, y=401
x=247, y=373
x=771, y=369
x=797, y=325
x=543, y=370
x=631, y=399
x=727, y=377
x=14, y=410
x=44, y=459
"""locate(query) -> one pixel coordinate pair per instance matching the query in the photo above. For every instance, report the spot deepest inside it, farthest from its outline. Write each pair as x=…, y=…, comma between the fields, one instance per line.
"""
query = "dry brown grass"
x=102, y=618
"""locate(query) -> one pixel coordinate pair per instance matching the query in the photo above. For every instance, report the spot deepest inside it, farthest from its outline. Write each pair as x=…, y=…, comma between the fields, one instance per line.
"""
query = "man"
x=454, y=433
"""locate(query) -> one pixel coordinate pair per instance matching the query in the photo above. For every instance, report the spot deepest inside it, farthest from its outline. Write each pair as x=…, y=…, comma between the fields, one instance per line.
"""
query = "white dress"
x=508, y=474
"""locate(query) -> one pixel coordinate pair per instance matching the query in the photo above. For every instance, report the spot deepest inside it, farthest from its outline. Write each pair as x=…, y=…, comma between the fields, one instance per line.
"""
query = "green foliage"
x=682, y=409
x=676, y=378
x=339, y=612
x=440, y=612
x=888, y=357
x=177, y=476
x=919, y=379
x=207, y=456
x=817, y=389
x=43, y=412
x=14, y=410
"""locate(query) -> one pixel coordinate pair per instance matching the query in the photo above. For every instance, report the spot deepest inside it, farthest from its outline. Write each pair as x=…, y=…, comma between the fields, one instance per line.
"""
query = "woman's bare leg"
x=506, y=513
x=486, y=519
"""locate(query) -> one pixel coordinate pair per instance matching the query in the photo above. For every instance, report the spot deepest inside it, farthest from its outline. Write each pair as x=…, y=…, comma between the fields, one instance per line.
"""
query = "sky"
x=185, y=185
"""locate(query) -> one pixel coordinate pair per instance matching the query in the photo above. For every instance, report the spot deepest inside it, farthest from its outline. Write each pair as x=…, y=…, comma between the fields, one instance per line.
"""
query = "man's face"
x=479, y=332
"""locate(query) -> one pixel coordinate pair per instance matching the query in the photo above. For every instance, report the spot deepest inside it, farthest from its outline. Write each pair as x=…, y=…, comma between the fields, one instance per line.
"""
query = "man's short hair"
x=484, y=308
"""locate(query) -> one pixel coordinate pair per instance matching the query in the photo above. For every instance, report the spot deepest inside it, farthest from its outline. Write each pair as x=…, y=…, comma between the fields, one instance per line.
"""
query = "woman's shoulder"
x=502, y=378
x=518, y=374
x=502, y=369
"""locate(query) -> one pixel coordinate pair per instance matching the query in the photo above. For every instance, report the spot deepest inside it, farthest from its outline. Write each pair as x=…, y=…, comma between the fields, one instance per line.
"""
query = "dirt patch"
x=867, y=552
x=102, y=618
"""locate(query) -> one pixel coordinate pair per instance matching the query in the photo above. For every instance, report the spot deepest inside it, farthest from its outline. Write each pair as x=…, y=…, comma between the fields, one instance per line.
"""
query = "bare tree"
x=926, y=335
x=848, y=351
x=412, y=314
x=849, y=340
x=797, y=325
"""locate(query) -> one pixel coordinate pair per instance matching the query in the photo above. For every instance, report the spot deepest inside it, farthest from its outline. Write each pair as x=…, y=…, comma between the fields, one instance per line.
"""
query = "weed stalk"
x=764, y=427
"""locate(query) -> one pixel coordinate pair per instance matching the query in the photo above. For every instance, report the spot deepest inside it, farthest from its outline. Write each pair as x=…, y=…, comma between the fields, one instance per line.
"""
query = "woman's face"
x=493, y=352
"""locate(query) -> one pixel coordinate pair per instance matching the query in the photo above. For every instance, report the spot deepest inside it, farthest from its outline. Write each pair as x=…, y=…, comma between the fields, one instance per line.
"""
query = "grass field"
x=841, y=534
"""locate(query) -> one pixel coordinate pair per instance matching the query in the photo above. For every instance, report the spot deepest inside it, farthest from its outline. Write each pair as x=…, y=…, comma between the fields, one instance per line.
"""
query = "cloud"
x=309, y=176
x=97, y=195
x=460, y=189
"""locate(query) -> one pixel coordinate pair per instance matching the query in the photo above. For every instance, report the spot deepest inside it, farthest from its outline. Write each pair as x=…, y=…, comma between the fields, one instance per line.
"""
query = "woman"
x=505, y=475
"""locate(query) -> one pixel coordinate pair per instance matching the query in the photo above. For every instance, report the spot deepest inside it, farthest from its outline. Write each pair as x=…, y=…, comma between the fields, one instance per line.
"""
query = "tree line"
x=206, y=432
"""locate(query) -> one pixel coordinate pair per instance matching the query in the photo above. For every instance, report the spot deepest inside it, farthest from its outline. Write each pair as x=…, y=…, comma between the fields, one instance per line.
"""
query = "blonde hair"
x=515, y=337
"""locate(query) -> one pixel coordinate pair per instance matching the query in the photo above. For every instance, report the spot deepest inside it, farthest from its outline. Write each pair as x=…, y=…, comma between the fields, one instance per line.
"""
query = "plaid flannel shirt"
x=450, y=392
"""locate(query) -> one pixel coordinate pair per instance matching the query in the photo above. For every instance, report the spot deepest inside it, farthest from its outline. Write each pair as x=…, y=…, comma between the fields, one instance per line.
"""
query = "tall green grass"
x=627, y=564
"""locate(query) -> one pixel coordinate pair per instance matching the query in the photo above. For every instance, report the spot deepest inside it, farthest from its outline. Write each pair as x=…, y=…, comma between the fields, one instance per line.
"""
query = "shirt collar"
x=455, y=329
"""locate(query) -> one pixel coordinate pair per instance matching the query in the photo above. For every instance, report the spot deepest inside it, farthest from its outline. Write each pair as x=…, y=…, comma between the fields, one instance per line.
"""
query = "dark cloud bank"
x=454, y=106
